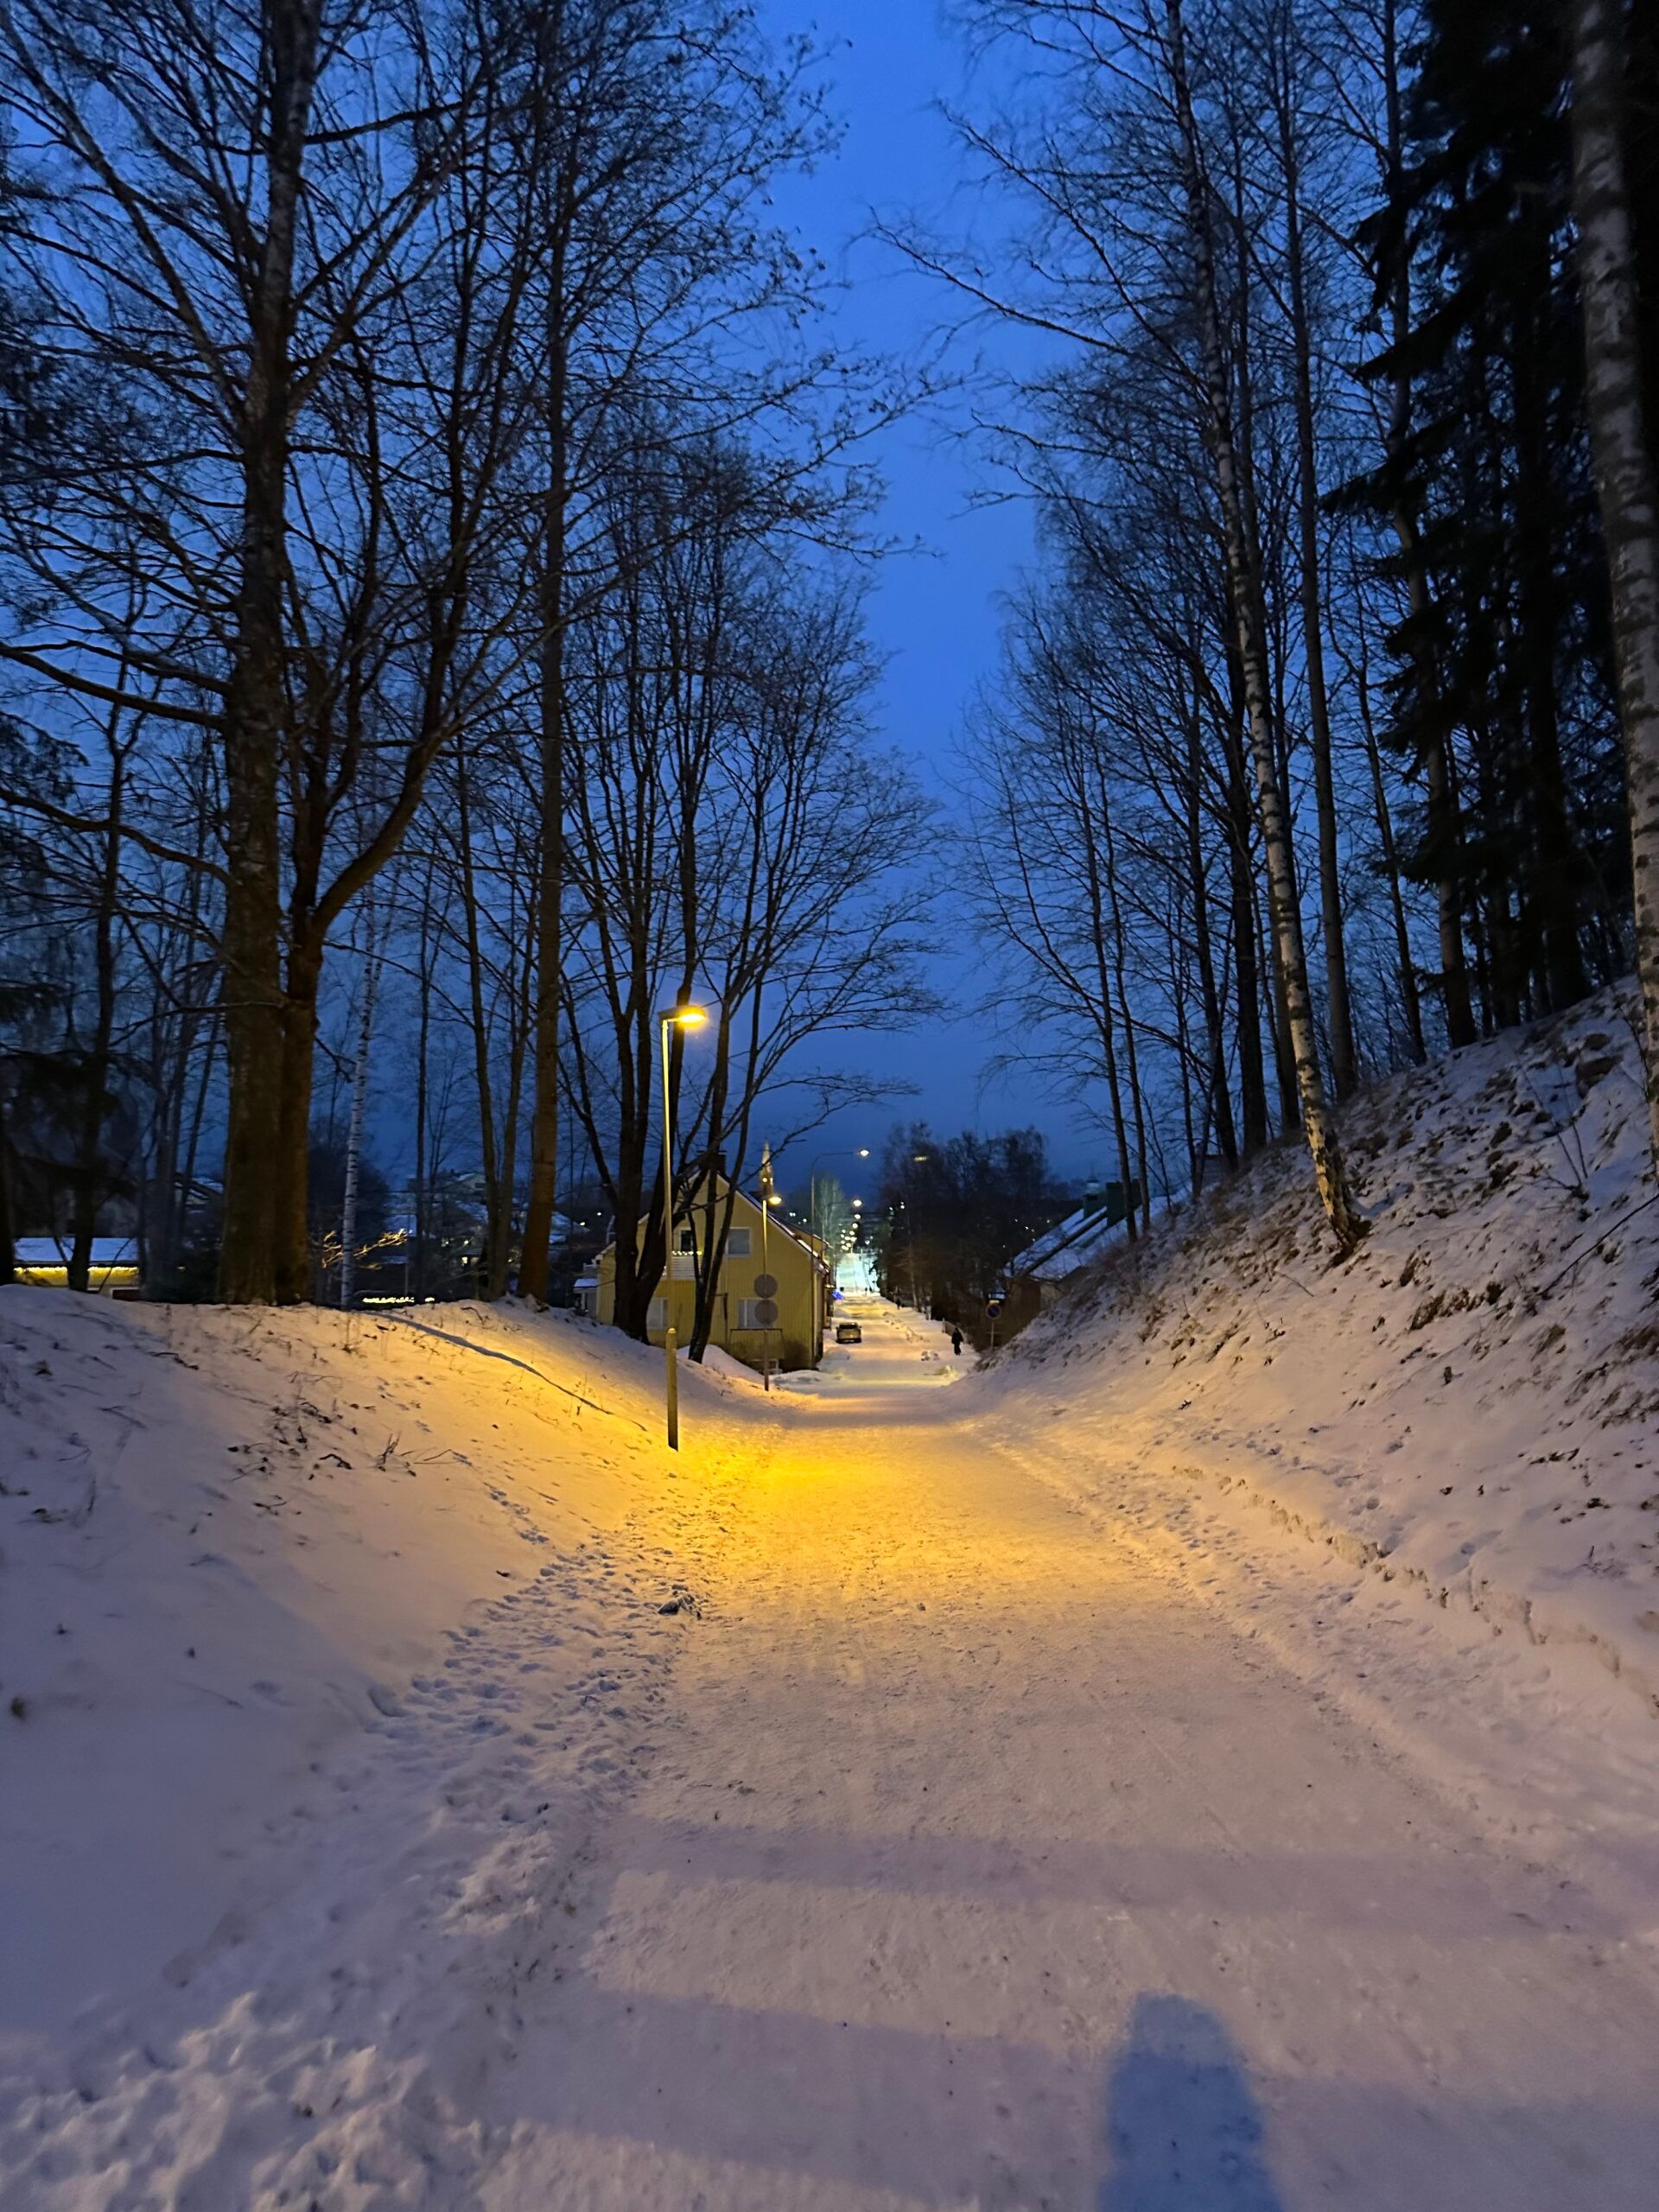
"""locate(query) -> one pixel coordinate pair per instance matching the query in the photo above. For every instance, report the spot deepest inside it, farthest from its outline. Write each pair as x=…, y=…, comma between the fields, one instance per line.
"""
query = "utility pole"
x=682, y=1016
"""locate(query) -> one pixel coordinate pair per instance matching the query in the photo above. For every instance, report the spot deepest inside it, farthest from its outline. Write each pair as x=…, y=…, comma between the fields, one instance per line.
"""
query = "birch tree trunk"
x=1622, y=441
x=1245, y=583
x=1344, y=1062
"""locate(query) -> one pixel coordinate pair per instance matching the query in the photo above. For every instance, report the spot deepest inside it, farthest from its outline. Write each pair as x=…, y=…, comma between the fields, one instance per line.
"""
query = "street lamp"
x=862, y=1152
x=858, y=1152
x=917, y=1160
x=684, y=1016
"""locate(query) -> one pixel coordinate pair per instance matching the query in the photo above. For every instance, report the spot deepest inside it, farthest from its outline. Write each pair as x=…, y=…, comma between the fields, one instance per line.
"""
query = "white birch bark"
x=1627, y=476
x=1243, y=571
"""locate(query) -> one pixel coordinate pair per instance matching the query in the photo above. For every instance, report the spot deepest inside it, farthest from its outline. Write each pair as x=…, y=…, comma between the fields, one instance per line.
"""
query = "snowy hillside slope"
x=231, y=1543
x=1470, y=1405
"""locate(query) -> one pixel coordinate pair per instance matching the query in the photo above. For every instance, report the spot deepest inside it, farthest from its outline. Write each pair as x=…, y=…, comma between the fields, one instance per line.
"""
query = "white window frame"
x=657, y=1314
x=746, y=1319
x=739, y=1244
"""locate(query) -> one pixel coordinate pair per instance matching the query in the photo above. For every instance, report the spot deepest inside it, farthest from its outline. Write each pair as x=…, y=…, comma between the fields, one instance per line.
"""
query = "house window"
x=747, y=1316
x=687, y=1240
x=656, y=1317
x=739, y=1244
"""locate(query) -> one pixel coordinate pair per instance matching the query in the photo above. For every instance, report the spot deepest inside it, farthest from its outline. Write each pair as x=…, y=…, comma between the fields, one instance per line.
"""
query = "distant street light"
x=917, y=1160
x=683, y=1017
x=858, y=1152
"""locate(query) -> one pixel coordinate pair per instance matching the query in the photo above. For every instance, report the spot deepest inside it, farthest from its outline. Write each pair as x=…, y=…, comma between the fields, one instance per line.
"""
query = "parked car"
x=848, y=1332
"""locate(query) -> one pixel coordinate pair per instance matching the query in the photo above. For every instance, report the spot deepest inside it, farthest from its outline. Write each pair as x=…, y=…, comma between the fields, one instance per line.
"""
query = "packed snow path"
x=975, y=1868
x=939, y=1848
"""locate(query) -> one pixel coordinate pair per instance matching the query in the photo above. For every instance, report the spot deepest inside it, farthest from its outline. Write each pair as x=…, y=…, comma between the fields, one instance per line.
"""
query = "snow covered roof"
x=1087, y=1241
x=53, y=1251
x=1082, y=1238
x=1057, y=1239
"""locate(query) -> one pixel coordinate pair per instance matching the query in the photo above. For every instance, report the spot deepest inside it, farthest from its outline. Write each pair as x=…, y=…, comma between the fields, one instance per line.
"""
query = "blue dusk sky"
x=934, y=615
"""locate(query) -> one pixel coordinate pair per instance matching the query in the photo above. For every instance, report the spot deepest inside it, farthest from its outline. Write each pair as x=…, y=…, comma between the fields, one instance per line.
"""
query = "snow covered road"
x=976, y=1867
x=946, y=1849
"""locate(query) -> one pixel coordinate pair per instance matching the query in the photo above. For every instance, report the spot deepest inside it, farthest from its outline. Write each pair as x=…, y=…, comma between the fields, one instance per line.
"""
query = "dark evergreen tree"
x=1514, y=674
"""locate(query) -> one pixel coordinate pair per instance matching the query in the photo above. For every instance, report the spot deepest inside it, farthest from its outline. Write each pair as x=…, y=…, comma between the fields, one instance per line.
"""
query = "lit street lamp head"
x=684, y=1017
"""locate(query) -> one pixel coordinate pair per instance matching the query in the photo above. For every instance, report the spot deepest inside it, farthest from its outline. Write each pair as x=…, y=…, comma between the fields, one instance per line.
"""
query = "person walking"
x=956, y=1342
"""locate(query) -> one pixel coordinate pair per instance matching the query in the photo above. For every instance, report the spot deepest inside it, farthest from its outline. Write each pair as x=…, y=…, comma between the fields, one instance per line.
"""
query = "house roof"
x=1057, y=1239
x=53, y=1251
x=1081, y=1238
x=746, y=1211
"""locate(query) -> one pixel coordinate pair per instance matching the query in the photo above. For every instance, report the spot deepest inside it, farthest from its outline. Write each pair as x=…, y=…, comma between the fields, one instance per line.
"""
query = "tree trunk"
x=480, y=1019
x=542, y=1197
x=89, y=1170
x=1344, y=1063
x=1627, y=473
x=1275, y=1009
x=192, y=1145
x=1218, y=1101
x=254, y=703
x=1252, y=1071
x=354, y=1126
x=292, y=1271
x=7, y=1218
x=1132, y=1051
x=1410, y=1002
x=1091, y=857
x=1553, y=869
x=499, y=1270
x=1244, y=578
x=1437, y=767
x=1219, y=1105
x=415, y=1276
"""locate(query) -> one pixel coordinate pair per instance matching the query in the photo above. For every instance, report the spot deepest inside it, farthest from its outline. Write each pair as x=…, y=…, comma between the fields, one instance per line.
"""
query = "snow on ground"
x=299, y=1615
x=902, y=1351
x=1471, y=1405
x=911, y=1796
x=990, y=1864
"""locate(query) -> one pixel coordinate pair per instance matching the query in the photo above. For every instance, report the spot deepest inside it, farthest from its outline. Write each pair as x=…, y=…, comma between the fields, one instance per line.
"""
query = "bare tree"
x=1244, y=577
x=231, y=220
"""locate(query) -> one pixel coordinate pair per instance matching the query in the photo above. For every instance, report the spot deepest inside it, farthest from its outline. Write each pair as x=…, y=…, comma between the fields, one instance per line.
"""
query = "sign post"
x=766, y=1317
x=993, y=1307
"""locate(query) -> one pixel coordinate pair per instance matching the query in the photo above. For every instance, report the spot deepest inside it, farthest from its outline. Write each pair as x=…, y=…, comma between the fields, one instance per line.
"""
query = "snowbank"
x=229, y=1541
x=1472, y=1402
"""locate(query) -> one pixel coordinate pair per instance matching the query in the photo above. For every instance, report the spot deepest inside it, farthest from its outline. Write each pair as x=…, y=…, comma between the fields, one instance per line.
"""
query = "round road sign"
x=766, y=1286
x=766, y=1312
x=993, y=1306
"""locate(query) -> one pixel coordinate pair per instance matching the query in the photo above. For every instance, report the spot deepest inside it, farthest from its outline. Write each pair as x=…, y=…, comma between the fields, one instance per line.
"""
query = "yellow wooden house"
x=758, y=1249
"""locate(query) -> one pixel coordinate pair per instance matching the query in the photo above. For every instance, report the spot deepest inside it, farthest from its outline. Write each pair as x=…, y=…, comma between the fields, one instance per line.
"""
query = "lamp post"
x=684, y=1016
